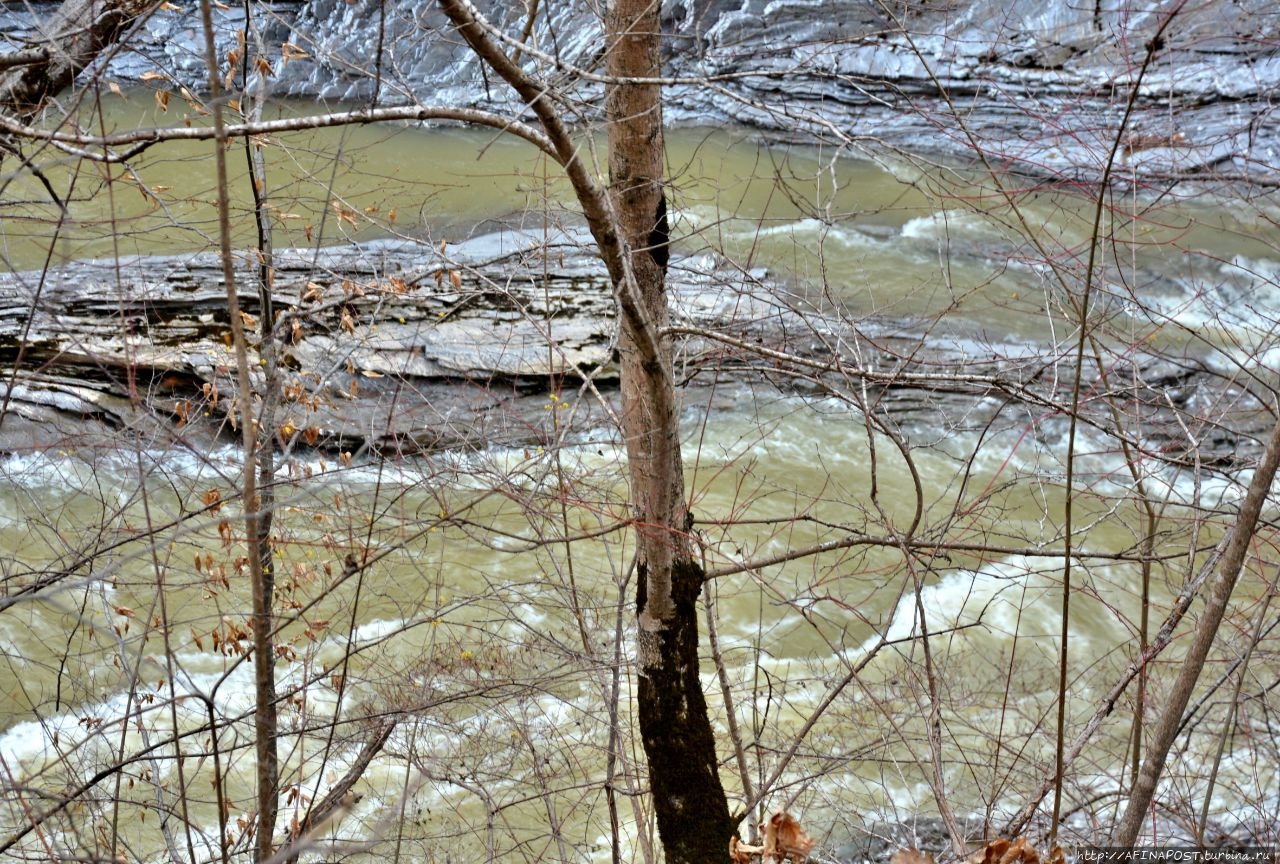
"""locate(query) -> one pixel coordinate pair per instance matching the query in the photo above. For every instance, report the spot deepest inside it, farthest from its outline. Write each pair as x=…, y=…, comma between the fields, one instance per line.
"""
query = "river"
x=499, y=639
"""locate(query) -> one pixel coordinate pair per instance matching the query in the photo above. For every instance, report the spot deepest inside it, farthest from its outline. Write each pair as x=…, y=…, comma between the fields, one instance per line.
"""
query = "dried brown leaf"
x=911, y=856
x=784, y=838
x=740, y=853
x=990, y=853
x=1019, y=851
x=344, y=213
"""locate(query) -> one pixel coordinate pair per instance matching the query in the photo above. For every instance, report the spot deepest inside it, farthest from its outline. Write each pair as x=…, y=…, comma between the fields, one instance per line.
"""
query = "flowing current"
x=501, y=644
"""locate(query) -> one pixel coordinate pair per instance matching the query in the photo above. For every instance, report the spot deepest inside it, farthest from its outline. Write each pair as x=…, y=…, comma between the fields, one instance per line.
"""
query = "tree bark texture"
x=76, y=36
x=692, y=812
x=1215, y=607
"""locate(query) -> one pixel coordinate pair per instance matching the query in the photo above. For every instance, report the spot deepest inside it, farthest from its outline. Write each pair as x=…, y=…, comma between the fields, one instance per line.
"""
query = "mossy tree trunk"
x=689, y=801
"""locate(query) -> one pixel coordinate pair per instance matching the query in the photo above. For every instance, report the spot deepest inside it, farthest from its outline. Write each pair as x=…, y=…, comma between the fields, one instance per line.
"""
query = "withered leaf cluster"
x=783, y=839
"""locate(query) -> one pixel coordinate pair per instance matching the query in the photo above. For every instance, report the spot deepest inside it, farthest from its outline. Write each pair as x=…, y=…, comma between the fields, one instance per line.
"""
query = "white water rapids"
x=497, y=639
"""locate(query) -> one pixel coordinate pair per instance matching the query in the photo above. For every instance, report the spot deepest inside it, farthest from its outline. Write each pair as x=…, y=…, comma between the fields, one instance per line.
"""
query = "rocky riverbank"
x=1044, y=86
x=394, y=347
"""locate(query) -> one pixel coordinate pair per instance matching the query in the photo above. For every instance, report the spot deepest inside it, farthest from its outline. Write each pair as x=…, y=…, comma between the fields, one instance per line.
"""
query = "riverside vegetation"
x=361, y=515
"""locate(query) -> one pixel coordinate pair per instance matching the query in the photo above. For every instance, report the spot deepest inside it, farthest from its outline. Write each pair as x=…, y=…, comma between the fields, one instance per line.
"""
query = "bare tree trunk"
x=630, y=229
x=266, y=714
x=689, y=801
x=257, y=444
x=79, y=32
x=1215, y=607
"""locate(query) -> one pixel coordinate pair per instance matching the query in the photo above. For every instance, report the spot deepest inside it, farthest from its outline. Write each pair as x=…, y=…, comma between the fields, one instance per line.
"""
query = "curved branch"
x=1224, y=581
x=7, y=146
x=338, y=801
x=591, y=195
x=138, y=140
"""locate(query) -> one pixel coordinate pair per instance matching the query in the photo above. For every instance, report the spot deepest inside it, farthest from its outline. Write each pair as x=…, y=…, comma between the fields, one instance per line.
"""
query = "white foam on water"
x=32, y=744
x=992, y=595
x=198, y=677
x=1101, y=466
x=1006, y=597
x=378, y=629
x=807, y=231
x=952, y=226
x=1233, y=305
x=812, y=231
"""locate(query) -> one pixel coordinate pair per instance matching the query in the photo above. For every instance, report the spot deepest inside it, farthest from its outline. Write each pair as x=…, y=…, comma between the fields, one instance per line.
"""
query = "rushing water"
x=501, y=639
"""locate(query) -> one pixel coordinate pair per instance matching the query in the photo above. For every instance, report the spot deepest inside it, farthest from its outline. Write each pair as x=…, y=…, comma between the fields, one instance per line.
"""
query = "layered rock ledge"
x=394, y=347
x=1040, y=84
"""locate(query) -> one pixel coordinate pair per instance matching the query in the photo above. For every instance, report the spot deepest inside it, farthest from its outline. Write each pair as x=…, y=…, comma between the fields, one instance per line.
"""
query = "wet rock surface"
x=1042, y=86
x=387, y=352
x=395, y=347
x=382, y=342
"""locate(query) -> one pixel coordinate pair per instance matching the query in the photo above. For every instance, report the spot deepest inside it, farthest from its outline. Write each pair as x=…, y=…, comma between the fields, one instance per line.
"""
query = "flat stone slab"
x=397, y=347
x=380, y=342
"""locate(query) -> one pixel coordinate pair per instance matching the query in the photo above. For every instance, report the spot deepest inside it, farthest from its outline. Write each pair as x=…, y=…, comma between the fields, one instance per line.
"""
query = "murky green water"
x=886, y=234
x=499, y=635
